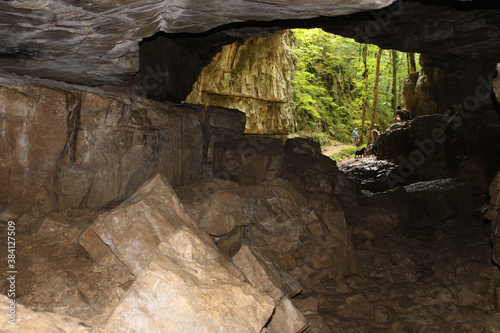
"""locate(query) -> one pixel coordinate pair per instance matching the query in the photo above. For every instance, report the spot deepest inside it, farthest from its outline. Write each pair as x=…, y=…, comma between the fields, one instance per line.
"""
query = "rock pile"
x=268, y=255
x=153, y=263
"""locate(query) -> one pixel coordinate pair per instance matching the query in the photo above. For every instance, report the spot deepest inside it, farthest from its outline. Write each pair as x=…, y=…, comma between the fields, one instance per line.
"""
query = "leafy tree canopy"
x=329, y=83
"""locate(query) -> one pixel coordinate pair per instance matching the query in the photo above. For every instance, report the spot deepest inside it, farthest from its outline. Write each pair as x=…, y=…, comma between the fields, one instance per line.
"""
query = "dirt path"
x=334, y=147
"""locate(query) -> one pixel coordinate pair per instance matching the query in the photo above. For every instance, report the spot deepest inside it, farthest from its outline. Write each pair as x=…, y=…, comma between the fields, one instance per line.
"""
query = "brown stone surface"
x=286, y=319
x=218, y=205
x=440, y=199
x=28, y=321
x=33, y=127
x=185, y=289
x=493, y=215
x=310, y=172
x=135, y=228
x=100, y=45
x=264, y=275
x=418, y=148
x=253, y=76
x=395, y=200
x=282, y=224
x=248, y=161
x=69, y=147
x=416, y=86
x=496, y=84
x=371, y=222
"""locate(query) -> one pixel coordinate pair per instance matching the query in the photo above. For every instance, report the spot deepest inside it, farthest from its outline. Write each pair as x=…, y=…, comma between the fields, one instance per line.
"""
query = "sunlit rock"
x=185, y=289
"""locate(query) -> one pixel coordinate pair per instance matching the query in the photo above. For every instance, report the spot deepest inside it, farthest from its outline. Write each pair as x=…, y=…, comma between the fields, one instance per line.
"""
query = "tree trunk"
x=365, y=99
x=394, y=81
x=375, y=89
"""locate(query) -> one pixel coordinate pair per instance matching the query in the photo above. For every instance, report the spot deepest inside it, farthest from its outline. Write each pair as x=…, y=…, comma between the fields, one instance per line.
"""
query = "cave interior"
x=123, y=208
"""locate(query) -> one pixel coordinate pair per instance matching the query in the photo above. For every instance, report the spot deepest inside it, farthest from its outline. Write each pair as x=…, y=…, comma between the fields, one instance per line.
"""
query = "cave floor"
x=431, y=276
x=427, y=277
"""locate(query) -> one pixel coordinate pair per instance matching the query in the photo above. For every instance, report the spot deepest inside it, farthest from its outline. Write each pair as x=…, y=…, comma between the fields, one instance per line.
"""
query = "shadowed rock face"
x=97, y=42
x=93, y=42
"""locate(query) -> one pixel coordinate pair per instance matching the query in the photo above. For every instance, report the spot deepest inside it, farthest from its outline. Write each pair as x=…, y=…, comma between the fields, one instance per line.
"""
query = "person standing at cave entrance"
x=372, y=149
x=355, y=137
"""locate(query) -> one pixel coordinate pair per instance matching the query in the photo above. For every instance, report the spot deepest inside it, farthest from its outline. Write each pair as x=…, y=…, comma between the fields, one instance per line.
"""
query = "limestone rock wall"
x=416, y=89
x=253, y=76
x=64, y=146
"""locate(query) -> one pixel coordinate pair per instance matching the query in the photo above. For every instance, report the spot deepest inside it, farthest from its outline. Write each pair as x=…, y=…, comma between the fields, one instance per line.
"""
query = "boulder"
x=368, y=174
x=185, y=289
x=144, y=220
x=278, y=221
x=135, y=228
x=440, y=199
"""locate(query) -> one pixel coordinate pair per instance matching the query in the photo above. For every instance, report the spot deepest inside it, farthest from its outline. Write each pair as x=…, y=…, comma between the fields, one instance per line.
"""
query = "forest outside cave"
x=334, y=87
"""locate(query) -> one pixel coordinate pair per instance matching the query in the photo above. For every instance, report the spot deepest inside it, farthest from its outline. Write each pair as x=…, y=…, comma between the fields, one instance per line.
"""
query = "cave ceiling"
x=94, y=42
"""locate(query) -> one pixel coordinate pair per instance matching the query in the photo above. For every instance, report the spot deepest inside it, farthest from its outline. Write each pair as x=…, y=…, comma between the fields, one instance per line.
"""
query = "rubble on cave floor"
x=428, y=277
x=418, y=275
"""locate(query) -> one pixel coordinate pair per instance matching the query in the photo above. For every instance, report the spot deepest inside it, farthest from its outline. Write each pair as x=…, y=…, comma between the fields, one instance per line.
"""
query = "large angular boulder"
x=138, y=225
x=185, y=289
x=182, y=280
x=134, y=229
x=286, y=319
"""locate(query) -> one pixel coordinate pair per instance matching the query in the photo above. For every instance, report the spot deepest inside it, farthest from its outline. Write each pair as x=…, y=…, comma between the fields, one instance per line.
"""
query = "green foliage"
x=329, y=84
x=319, y=137
x=345, y=153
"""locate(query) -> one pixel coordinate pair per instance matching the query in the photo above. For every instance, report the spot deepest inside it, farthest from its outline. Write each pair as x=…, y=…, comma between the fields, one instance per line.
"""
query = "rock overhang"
x=94, y=42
